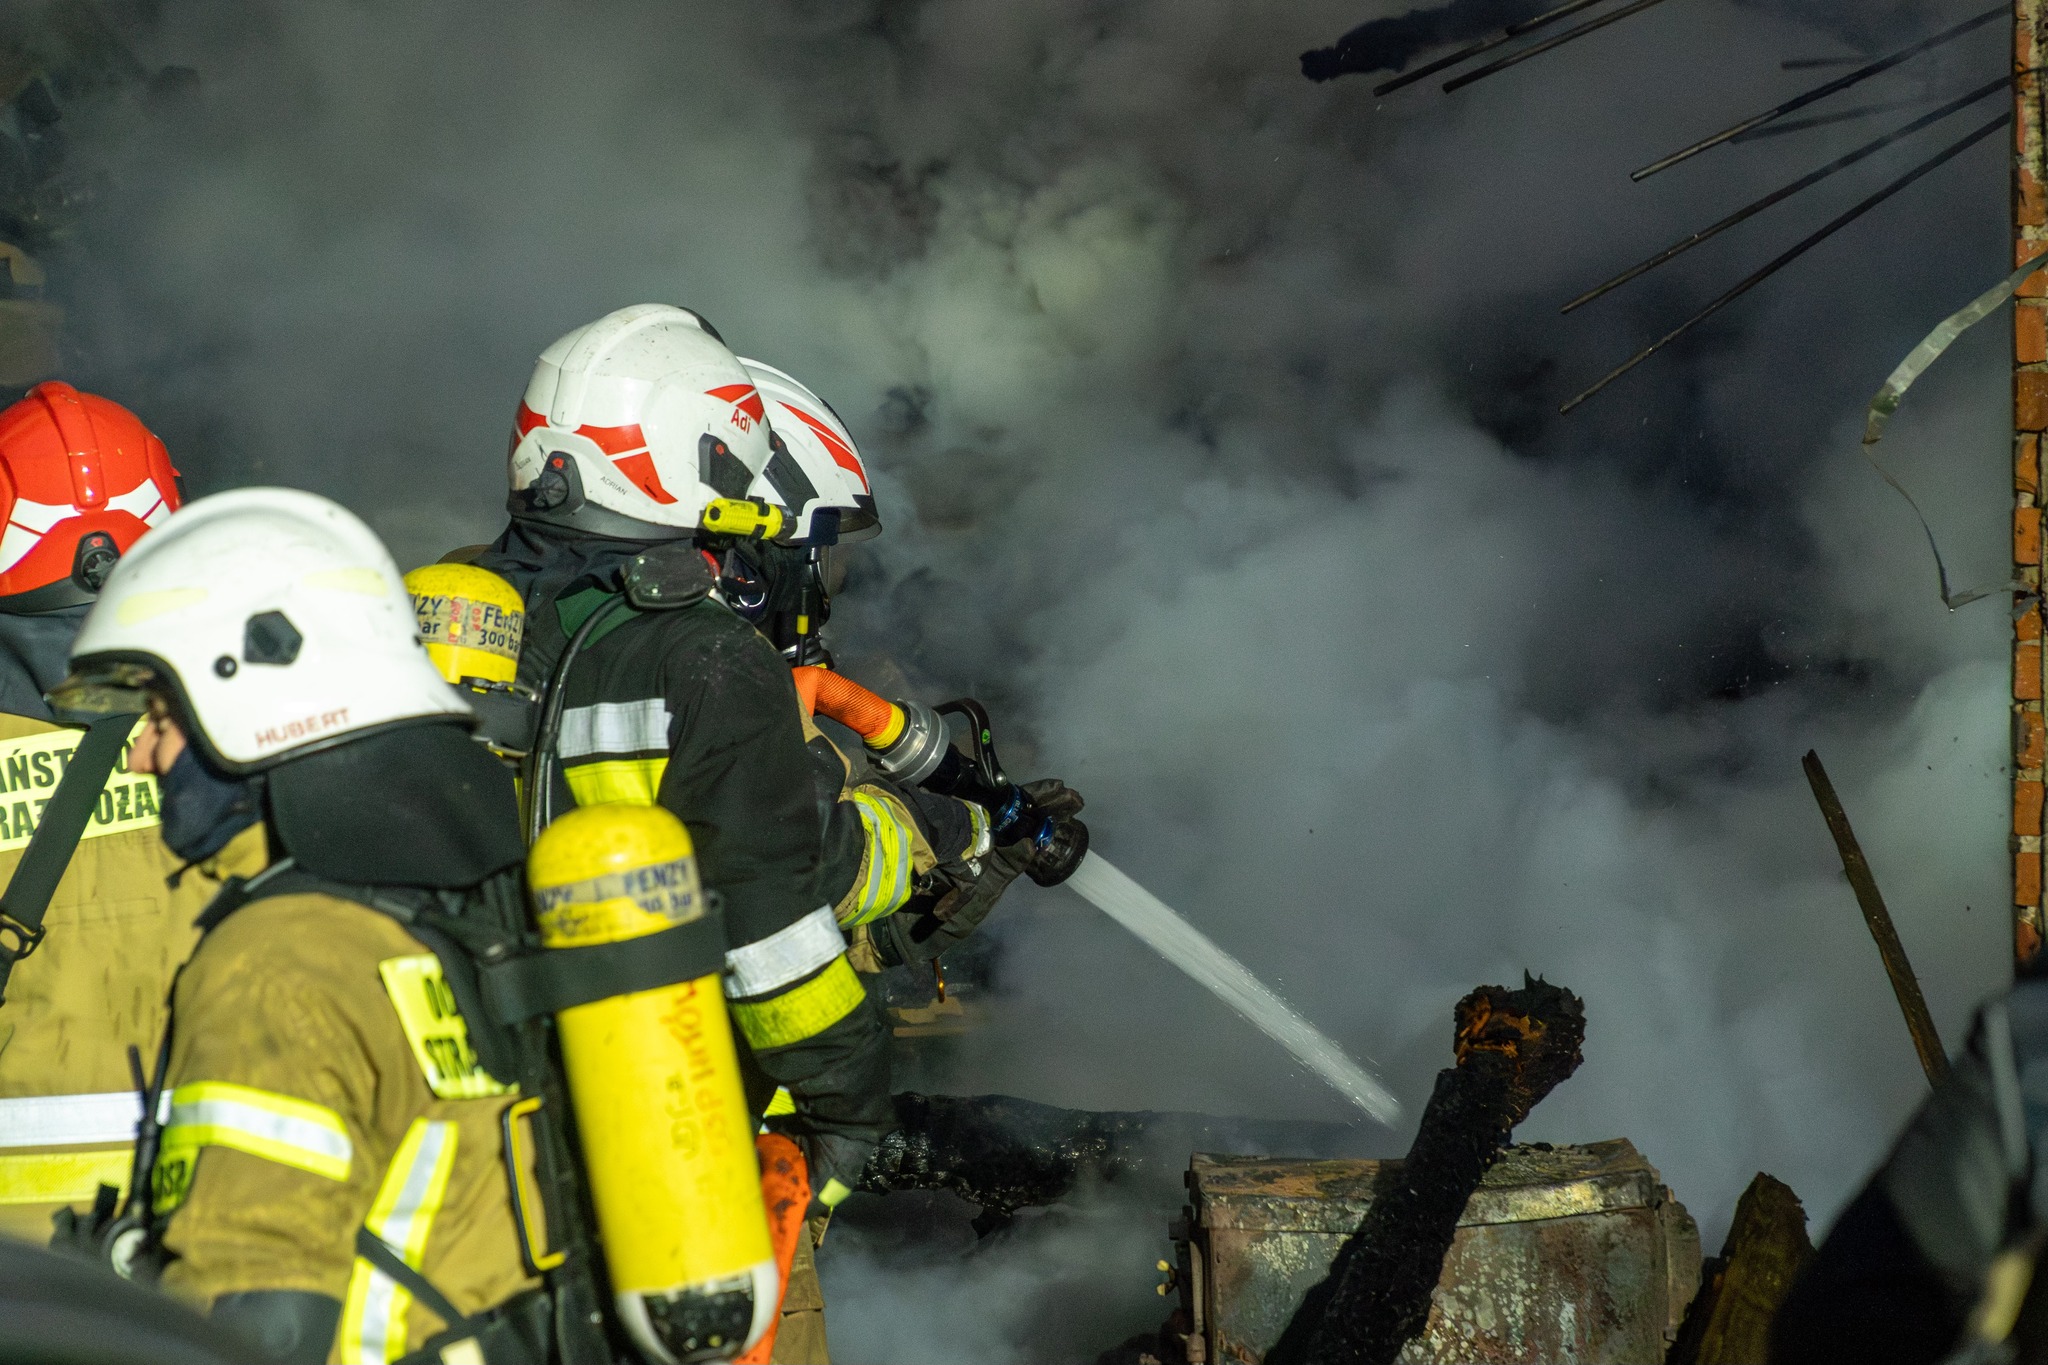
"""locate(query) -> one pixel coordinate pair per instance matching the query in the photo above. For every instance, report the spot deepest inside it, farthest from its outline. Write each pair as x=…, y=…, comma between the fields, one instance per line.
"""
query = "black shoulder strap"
x=27, y=898
x=378, y=1253
x=555, y=979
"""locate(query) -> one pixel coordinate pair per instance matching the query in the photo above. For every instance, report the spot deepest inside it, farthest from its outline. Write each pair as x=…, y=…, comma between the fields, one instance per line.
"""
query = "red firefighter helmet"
x=80, y=480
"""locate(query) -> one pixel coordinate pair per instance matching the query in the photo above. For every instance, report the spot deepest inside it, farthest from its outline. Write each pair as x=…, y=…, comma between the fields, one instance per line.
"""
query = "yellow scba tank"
x=655, y=1084
x=471, y=621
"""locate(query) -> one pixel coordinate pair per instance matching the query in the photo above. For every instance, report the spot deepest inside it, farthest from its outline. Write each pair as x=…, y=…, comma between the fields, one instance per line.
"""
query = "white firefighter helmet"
x=631, y=424
x=272, y=619
x=816, y=474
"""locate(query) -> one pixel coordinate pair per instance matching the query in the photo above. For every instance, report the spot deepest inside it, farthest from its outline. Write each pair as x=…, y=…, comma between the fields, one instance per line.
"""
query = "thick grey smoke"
x=1213, y=415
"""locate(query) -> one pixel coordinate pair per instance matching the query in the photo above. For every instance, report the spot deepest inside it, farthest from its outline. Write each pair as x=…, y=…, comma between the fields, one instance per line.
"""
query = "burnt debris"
x=1005, y=1154
x=1513, y=1048
x=1389, y=44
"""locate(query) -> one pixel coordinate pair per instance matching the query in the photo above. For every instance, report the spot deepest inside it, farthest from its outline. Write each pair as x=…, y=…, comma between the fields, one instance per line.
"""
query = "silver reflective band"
x=786, y=956
x=265, y=1131
x=615, y=727
x=65, y=1120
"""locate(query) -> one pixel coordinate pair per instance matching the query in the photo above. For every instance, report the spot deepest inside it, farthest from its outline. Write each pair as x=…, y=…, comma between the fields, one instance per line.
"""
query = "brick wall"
x=2030, y=420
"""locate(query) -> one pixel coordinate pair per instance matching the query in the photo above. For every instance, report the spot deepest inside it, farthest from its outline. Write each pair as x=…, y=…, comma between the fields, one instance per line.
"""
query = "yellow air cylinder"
x=655, y=1084
x=471, y=621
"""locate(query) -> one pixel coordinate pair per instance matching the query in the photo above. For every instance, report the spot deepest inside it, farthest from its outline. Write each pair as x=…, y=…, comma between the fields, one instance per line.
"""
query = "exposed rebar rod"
x=1800, y=125
x=1538, y=49
x=1819, y=93
x=1905, y=985
x=1779, y=196
x=1471, y=50
x=1791, y=254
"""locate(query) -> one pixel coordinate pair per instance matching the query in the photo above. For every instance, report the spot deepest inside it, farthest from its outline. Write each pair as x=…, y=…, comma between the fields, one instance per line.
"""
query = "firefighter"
x=630, y=428
x=331, y=1180
x=1937, y=1258
x=888, y=845
x=909, y=873
x=81, y=480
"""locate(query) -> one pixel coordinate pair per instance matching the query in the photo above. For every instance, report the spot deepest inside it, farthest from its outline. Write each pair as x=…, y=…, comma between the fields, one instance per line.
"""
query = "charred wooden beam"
x=1742, y=1288
x=1513, y=1048
x=1905, y=985
x=1005, y=1154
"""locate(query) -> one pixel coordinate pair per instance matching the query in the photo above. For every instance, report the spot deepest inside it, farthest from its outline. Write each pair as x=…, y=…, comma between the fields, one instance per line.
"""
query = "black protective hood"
x=421, y=805
x=544, y=563
x=35, y=655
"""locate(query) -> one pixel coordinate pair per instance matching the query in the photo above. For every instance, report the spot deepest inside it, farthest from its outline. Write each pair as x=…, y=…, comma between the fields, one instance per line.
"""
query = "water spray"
x=913, y=743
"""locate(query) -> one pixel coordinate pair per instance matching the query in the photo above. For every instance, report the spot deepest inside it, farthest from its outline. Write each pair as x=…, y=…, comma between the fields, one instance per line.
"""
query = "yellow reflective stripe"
x=62, y=1177
x=884, y=883
x=280, y=1128
x=801, y=1011
x=632, y=780
x=782, y=1103
x=983, y=839
x=373, y=1316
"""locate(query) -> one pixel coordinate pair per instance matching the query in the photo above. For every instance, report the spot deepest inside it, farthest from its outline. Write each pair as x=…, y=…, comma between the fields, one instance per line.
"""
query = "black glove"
x=969, y=890
x=119, y=1241
x=1055, y=798
x=83, y=1236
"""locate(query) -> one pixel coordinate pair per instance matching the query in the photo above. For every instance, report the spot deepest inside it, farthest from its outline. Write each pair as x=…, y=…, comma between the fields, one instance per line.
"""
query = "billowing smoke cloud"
x=1214, y=421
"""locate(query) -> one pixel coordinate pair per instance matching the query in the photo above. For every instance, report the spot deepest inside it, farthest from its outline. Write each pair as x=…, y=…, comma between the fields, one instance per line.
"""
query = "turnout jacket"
x=691, y=708
x=325, y=1091
x=99, y=981
x=313, y=1092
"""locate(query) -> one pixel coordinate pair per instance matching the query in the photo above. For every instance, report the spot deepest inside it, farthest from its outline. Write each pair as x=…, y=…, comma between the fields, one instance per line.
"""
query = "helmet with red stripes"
x=631, y=424
x=80, y=480
x=816, y=474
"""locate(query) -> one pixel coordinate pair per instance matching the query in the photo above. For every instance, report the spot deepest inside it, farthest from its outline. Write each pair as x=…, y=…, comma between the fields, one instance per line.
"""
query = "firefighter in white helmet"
x=630, y=429
x=332, y=1180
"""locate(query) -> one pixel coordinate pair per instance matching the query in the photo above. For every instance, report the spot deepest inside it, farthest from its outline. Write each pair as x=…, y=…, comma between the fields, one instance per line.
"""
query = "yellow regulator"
x=471, y=621
x=655, y=1084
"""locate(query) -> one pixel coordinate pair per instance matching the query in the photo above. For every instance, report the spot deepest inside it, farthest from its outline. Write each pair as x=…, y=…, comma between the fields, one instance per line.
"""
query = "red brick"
x=2030, y=398
x=2026, y=672
x=2026, y=807
x=2026, y=939
x=2026, y=535
x=2030, y=206
x=2026, y=465
x=2030, y=741
x=2030, y=334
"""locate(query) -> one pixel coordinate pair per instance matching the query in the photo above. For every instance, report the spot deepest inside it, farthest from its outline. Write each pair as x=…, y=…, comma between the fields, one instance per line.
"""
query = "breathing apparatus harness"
x=508, y=988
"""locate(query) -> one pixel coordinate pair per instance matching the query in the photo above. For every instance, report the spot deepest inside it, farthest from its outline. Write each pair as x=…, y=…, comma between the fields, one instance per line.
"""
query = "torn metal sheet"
x=1917, y=363
x=1931, y=347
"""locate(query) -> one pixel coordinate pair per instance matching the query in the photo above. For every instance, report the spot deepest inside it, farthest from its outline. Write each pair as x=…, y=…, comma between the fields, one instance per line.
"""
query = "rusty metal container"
x=1565, y=1254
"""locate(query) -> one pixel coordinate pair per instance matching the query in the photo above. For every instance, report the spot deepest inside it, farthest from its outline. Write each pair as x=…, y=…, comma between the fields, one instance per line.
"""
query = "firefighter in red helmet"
x=81, y=480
